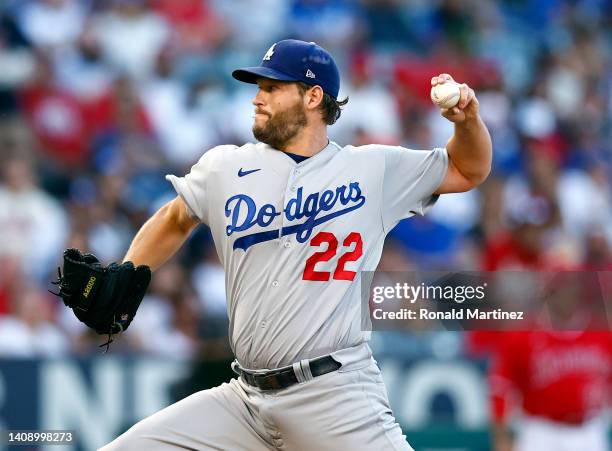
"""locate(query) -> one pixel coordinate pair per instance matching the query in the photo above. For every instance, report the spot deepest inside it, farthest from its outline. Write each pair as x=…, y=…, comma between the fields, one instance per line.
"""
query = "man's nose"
x=258, y=99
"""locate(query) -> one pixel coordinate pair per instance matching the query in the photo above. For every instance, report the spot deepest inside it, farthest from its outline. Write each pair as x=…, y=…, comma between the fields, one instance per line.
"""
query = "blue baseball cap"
x=293, y=60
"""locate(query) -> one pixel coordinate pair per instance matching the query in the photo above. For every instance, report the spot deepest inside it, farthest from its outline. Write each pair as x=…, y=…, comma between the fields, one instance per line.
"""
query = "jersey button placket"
x=295, y=174
x=292, y=180
x=291, y=189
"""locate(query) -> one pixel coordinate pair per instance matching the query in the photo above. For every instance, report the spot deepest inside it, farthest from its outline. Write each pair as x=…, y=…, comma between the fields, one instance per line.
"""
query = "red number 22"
x=332, y=245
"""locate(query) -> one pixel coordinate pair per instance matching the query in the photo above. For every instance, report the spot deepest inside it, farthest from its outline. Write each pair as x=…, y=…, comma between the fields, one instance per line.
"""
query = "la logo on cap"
x=269, y=53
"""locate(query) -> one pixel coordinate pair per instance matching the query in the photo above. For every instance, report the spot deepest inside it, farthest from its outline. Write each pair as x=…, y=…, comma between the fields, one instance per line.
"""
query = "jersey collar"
x=322, y=156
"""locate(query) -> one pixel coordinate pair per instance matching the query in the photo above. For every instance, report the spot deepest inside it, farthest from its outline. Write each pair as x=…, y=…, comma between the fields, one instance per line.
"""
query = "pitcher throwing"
x=295, y=219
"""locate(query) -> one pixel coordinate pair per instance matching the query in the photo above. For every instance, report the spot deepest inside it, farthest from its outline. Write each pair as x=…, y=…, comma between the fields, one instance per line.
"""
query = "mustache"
x=260, y=111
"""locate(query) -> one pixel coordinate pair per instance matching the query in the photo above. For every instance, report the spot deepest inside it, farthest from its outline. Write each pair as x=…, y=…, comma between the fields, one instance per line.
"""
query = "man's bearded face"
x=279, y=128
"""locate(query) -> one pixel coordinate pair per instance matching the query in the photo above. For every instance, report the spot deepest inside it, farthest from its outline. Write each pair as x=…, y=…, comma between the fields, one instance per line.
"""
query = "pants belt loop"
x=305, y=364
x=298, y=372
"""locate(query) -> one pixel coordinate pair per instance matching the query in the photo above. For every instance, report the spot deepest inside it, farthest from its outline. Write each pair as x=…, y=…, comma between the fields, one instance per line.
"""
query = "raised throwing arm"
x=470, y=150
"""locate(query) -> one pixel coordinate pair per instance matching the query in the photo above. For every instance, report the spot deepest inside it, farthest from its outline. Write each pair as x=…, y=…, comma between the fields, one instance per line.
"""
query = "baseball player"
x=295, y=219
x=561, y=383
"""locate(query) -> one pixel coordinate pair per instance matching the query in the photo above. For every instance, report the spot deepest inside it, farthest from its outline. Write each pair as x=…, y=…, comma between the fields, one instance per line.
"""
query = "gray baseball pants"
x=347, y=409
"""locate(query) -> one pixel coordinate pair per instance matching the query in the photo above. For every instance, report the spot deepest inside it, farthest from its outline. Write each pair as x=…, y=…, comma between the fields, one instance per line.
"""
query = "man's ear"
x=313, y=97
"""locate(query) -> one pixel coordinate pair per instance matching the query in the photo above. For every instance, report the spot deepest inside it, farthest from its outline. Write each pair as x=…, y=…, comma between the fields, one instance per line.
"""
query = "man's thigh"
x=340, y=410
x=217, y=419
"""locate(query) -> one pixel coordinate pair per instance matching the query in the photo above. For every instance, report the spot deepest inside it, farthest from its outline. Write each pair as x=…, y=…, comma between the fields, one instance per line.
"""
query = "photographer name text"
x=458, y=314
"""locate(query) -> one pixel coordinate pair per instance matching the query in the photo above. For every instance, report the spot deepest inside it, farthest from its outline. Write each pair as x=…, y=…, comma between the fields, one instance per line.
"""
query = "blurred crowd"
x=100, y=99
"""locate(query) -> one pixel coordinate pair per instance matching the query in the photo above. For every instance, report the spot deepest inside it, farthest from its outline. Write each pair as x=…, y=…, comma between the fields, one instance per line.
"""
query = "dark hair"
x=330, y=107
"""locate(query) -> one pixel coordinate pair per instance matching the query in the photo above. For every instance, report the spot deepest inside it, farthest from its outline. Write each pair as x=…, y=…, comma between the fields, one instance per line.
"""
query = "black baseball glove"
x=104, y=298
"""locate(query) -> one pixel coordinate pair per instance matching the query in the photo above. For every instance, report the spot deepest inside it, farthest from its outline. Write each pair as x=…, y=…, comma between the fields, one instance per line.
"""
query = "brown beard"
x=282, y=127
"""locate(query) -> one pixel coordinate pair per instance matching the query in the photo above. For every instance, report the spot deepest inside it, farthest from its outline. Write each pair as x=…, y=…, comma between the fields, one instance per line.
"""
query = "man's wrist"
x=469, y=124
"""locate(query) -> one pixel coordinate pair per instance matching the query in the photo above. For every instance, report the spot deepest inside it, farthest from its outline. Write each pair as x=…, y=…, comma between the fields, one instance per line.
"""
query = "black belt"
x=285, y=377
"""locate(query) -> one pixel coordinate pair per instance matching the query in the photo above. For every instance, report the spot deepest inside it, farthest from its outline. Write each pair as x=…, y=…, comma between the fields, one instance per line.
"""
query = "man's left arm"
x=470, y=150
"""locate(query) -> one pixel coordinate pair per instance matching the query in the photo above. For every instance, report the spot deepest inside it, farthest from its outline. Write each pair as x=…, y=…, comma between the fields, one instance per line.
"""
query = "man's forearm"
x=159, y=238
x=470, y=149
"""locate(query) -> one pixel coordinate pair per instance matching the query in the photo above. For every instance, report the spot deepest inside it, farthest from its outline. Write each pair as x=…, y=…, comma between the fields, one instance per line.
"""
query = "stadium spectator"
x=30, y=330
x=52, y=24
x=131, y=36
x=34, y=225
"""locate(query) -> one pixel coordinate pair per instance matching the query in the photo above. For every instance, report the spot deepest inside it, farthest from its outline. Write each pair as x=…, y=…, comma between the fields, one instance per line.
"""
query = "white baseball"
x=446, y=95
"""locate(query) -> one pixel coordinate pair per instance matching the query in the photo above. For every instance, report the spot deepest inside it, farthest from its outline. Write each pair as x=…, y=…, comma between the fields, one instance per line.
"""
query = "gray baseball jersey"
x=293, y=237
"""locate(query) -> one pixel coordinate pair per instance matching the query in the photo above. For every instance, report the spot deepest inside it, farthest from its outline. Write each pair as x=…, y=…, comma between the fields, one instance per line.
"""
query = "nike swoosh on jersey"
x=242, y=173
